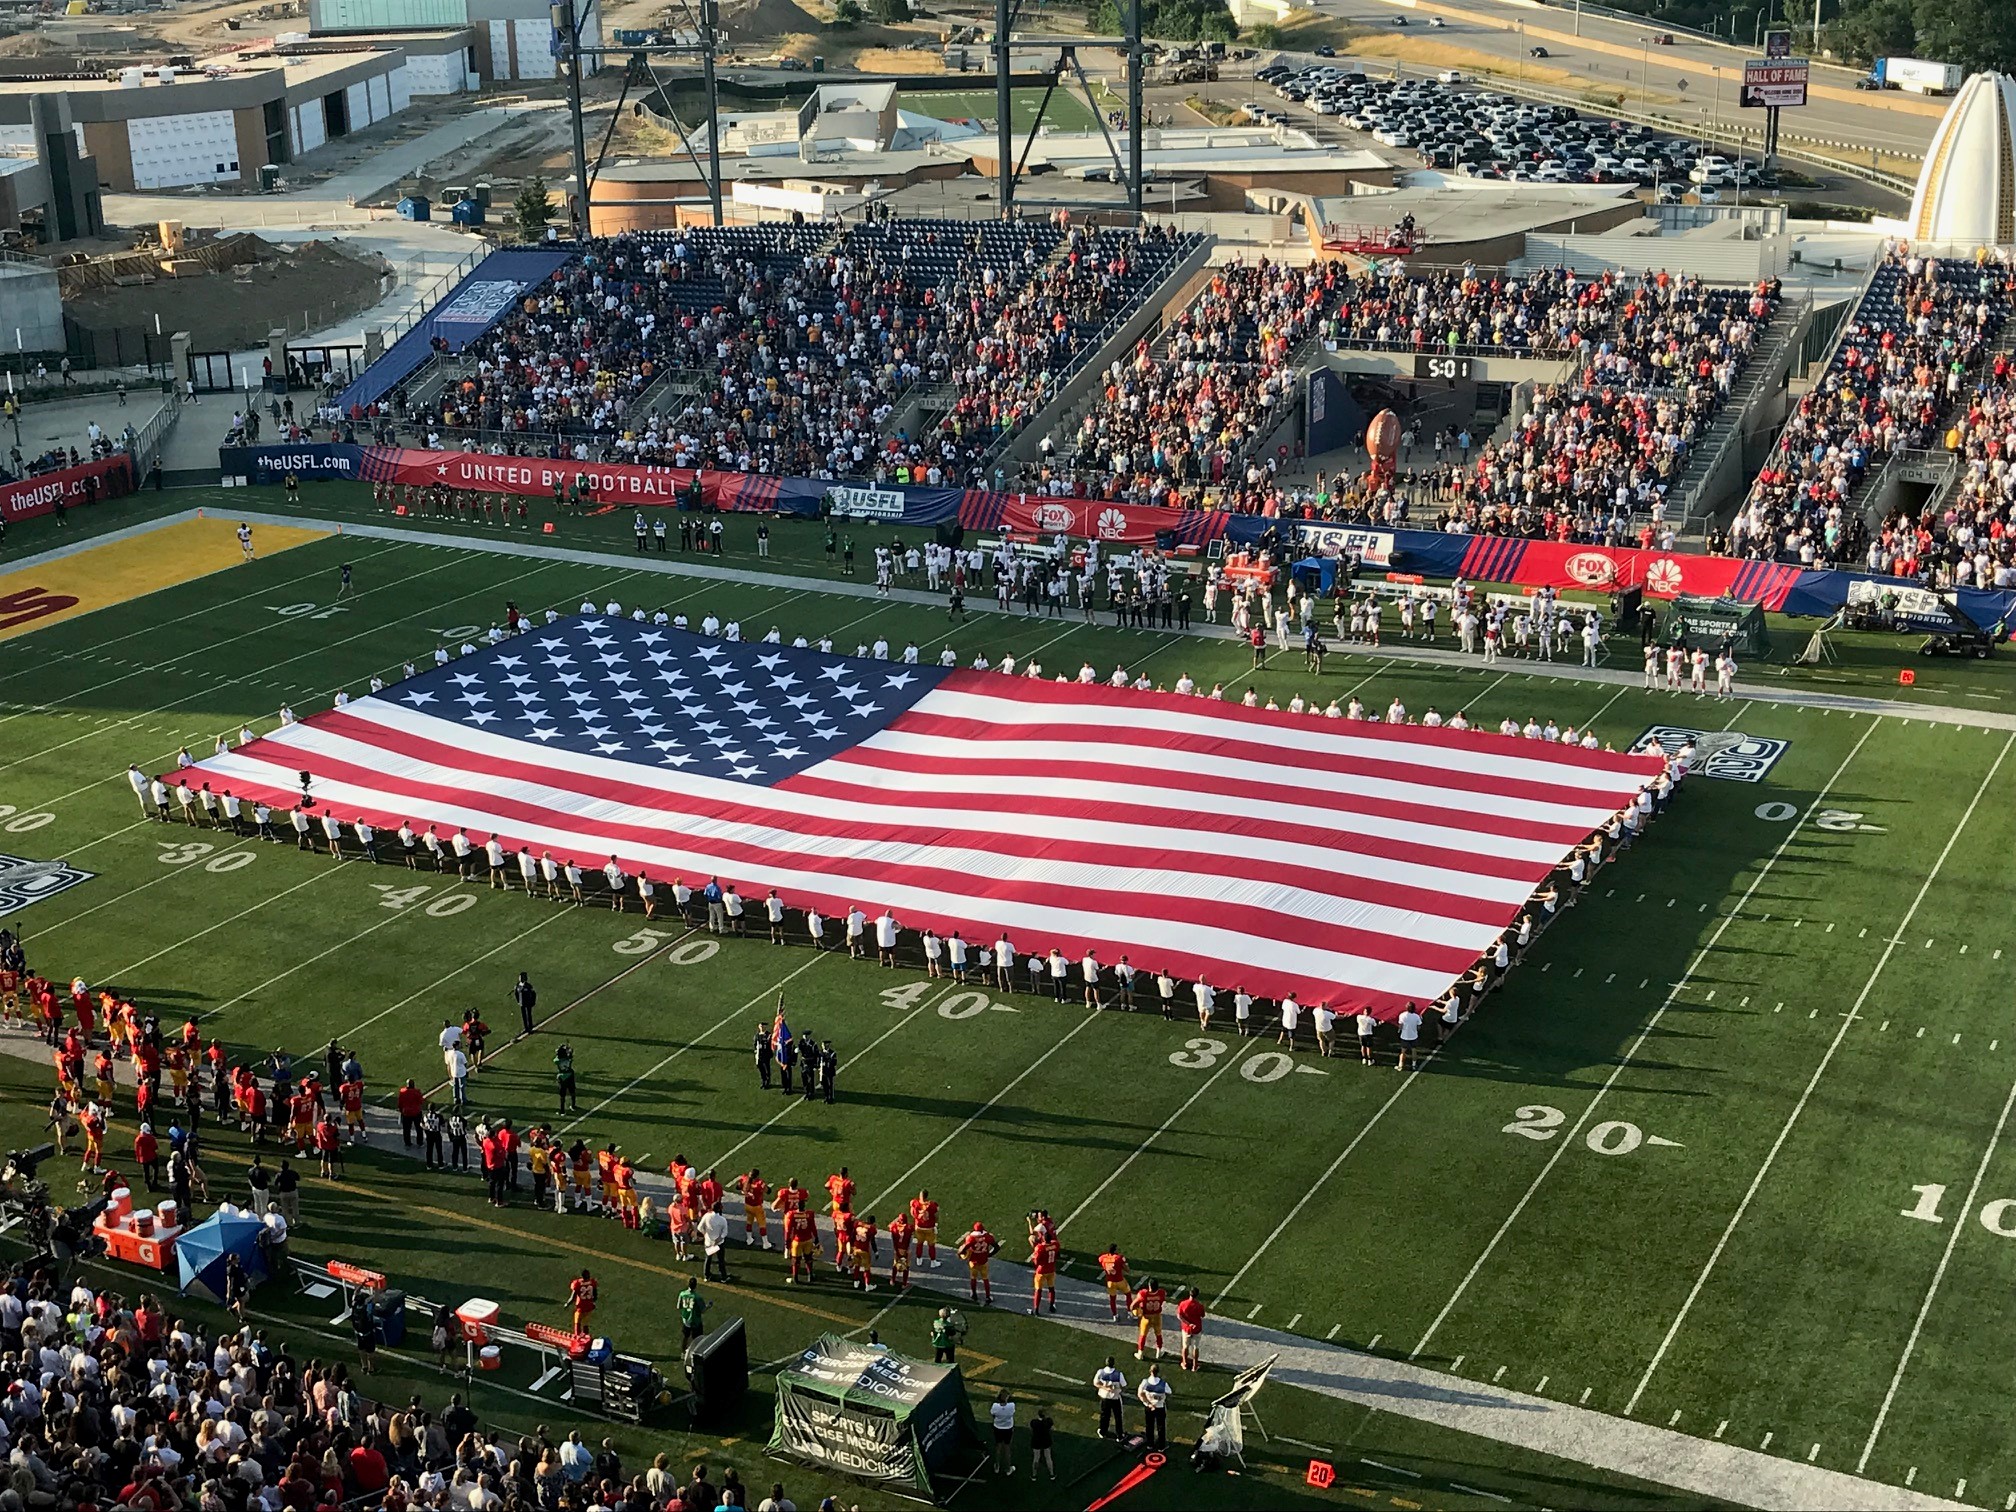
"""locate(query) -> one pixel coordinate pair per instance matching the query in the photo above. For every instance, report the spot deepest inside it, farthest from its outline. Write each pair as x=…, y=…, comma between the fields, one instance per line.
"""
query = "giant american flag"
x=1352, y=862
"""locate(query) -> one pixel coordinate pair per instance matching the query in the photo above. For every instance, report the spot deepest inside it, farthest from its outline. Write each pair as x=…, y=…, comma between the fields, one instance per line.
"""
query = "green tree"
x=535, y=209
x=1266, y=34
x=847, y=13
x=893, y=12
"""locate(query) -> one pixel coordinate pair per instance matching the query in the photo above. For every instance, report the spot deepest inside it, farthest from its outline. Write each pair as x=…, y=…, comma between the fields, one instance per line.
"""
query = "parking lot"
x=1450, y=125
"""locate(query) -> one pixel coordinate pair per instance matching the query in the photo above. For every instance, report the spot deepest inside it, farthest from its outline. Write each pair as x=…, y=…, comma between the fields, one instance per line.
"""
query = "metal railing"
x=151, y=439
x=435, y=292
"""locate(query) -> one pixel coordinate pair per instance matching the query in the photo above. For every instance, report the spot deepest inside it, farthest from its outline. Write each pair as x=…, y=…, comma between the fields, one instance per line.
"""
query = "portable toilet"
x=480, y=192
x=415, y=207
x=466, y=213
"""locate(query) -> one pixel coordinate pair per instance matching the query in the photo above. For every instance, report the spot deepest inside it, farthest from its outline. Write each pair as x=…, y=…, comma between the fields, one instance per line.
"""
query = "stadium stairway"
x=1714, y=472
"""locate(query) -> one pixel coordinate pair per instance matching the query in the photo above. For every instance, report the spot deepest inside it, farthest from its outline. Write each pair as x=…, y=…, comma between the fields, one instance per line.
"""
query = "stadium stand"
x=1547, y=313
x=1901, y=364
x=1965, y=539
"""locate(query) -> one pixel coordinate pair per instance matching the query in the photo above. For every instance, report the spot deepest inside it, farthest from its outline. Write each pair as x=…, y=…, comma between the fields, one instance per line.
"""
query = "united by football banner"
x=612, y=483
x=69, y=486
x=1346, y=861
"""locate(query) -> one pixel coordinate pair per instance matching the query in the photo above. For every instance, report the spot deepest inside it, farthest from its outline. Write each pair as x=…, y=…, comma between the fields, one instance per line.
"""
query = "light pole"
x=1645, y=68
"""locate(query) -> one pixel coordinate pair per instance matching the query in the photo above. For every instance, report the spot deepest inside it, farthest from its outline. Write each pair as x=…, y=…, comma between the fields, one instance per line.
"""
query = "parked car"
x=1536, y=52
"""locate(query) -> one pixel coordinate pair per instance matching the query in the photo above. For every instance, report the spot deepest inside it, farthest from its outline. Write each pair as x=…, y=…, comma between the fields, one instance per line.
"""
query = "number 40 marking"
x=1998, y=1216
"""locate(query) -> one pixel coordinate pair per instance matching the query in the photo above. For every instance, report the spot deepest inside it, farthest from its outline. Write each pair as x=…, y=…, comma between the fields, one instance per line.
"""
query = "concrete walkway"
x=1644, y=1451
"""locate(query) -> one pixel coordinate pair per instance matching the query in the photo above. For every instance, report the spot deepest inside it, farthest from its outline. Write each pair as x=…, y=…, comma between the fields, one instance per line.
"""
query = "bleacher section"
x=1906, y=357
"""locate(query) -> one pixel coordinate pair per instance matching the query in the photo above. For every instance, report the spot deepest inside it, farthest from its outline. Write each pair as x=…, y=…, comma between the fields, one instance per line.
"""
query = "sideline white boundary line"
x=1799, y=1107
x=1651, y=1024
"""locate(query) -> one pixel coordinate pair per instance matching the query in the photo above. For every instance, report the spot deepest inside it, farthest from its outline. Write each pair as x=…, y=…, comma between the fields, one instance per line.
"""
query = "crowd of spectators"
x=1164, y=428
x=791, y=349
x=1901, y=367
x=1548, y=313
x=116, y=1400
x=1967, y=539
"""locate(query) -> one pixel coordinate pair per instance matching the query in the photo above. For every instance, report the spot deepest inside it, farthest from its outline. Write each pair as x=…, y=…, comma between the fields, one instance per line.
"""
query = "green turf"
x=1401, y=1214
x=1066, y=111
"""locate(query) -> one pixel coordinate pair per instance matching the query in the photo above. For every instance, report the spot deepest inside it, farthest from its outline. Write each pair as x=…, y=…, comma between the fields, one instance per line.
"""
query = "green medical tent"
x=875, y=1415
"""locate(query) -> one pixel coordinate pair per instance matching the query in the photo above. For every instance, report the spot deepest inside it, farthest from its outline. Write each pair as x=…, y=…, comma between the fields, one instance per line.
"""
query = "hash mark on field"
x=1545, y=967
x=1293, y=1321
x=1767, y=1444
x=1910, y=1475
x=1883, y=1026
x=1702, y=909
x=1456, y=1365
x=1812, y=1454
x=2010, y=1505
x=1609, y=979
x=1641, y=897
x=1585, y=1395
x=1671, y=901
x=1928, y=944
x=1578, y=970
x=1797, y=922
x=1374, y=1344
x=1673, y=1419
x=1956, y=1039
x=1830, y=929
x=1921, y=1032
x=1644, y=984
x=1779, y=1009
x=1960, y=1490
x=1711, y=996
x=1744, y=1004
x=1996, y=957
x=1334, y=1328
x=1391, y=1469
x=1720, y=1427
x=1993, y=1043
x=1537, y=1390
x=1611, y=894
x=1499, y=1376
x=1255, y=1312
x=1812, y=1013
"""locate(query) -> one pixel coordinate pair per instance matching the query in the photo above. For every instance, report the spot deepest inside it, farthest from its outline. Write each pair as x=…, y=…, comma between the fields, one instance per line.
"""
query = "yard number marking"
x=446, y=906
x=189, y=853
x=1997, y=1216
x=20, y=824
x=313, y=611
x=1538, y=1122
x=1841, y=821
x=644, y=941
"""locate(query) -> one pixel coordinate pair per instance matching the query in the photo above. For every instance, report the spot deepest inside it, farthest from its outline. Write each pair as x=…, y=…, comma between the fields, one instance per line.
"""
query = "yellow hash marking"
x=119, y=571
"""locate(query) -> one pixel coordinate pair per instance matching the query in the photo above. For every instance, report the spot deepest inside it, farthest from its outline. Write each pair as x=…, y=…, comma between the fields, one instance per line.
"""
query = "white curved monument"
x=1967, y=190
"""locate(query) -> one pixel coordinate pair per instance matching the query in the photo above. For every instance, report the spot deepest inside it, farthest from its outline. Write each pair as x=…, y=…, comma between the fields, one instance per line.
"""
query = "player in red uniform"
x=1190, y=1324
x=10, y=994
x=840, y=1193
x=977, y=1247
x=582, y=1293
x=861, y=1244
x=1146, y=1309
x=1043, y=1251
x=1113, y=1271
x=924, y=1215
x=801, y=1241
x=901, y=1231
x=351, y=1096
x=753, y=1188
x=301, y=1115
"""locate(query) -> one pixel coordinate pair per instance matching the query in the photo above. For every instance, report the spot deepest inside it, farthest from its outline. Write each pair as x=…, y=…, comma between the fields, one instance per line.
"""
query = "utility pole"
x=1136, y=126
x=567, y=23
x=709, y=13
x=1004, y=104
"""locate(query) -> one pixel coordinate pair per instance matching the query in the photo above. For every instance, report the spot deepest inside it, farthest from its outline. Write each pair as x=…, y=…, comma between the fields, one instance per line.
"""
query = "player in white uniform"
x=245, y=541
x=1725, y=675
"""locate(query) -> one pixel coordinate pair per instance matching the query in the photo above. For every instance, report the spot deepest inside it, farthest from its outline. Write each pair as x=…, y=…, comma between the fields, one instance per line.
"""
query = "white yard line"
x=446, y=977
x=792, y=1104
x=392, y=916
x=1938, y=1276
x=1142, y=1148
x=1330, y=1170
x=1847, y=1021
x=158, y=627
x=378, y=629
x=637, y=1081
x=190, y=939
x=155, y=667
x=1091, y=1017
x=1568, y=1139
x=166, y=876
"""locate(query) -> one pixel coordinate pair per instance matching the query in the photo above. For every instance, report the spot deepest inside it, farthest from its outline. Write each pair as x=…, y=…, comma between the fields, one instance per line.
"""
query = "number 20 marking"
x=1538, y=1122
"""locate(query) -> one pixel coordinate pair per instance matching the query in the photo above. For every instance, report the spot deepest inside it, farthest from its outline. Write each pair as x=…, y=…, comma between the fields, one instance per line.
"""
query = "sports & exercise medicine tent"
x=1710, y=621
x=876, y=1415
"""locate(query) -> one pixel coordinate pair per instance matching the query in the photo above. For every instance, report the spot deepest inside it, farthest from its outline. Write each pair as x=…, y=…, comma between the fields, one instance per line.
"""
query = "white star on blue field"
x=669, y=698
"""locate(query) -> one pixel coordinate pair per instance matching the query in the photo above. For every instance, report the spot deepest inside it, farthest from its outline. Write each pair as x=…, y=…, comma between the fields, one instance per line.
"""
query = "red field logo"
x=29, y=604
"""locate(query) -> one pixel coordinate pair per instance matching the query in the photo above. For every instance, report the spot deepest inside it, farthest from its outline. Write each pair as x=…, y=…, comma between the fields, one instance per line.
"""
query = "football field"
x=1728, y=1163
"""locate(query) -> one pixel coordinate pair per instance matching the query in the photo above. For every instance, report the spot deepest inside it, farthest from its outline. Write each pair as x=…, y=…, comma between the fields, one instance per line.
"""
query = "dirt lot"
x=235, y=309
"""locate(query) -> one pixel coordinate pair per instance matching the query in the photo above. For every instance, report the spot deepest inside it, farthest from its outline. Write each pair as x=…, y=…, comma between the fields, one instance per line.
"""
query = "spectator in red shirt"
x=412, y=1102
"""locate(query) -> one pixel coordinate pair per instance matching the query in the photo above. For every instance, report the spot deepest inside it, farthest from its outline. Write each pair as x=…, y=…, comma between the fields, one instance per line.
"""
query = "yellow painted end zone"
x=119, y=571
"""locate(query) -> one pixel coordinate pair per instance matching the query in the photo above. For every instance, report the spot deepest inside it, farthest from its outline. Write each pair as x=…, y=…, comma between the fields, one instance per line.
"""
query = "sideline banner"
x=613, y=483
x=271, y=464
x=1094, y=519
x=85, y=483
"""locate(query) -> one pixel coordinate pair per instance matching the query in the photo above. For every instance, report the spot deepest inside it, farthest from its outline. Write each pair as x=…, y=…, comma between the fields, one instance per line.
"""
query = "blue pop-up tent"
x=200, y=1252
